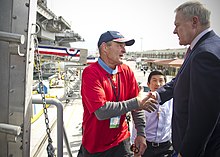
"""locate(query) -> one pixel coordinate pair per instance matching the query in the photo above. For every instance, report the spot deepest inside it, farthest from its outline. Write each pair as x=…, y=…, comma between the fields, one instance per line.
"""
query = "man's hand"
x=141, y=144
x=136, y=155
x=179, y=155
x=146, y=102
x=154, y=95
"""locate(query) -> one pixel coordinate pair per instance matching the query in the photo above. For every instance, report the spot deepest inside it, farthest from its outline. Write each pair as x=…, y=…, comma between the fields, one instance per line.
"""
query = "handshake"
x=147, y=101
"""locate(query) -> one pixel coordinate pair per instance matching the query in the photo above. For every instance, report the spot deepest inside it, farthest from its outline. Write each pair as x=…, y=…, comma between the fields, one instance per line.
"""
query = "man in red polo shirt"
x=109, y=90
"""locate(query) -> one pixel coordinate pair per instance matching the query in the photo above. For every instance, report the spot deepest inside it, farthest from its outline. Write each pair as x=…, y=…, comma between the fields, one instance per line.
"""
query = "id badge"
x=114, y=122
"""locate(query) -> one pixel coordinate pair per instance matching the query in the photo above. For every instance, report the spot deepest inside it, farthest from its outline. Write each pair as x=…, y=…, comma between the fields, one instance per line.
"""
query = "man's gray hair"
x=195, y=8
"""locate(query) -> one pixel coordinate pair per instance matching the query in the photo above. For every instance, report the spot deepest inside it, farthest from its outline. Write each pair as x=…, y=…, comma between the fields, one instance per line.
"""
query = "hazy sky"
x=149, y=22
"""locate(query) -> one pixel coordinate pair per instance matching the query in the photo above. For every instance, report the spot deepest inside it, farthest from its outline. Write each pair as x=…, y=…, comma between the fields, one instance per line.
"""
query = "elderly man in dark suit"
x=196, y=88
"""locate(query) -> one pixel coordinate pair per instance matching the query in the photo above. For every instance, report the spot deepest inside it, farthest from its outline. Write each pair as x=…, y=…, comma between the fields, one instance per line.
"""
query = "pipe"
x=10, y=129
x=12, y=37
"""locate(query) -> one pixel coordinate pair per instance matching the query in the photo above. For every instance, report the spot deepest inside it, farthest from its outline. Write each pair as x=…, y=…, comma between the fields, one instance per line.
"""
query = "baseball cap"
x=114, y=36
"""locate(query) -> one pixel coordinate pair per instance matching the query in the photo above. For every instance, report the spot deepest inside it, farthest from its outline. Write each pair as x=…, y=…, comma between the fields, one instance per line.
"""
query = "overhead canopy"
x=176, y=62
x=171, y=62
x=163, y=61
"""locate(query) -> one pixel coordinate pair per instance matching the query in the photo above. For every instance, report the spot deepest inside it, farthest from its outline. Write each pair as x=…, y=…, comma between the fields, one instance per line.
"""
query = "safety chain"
x=50, y=148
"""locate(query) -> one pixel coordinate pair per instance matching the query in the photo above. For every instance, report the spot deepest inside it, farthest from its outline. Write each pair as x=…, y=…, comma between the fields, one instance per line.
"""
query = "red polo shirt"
x=96, y=91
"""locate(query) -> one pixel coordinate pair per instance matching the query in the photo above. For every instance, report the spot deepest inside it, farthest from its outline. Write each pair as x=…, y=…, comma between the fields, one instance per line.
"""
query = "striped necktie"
x=186, y=59
x=187, y=52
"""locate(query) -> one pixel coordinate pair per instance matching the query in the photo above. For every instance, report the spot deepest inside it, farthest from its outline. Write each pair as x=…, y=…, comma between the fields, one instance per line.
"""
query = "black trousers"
x=164, y=149
x=122, y=150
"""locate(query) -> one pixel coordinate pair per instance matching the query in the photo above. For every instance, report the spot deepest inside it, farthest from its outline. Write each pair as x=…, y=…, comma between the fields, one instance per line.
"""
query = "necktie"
x=186, y=58
x=187, y=52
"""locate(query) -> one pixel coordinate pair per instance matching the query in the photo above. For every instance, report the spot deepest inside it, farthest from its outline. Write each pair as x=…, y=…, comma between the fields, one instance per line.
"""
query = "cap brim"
x=128, y=42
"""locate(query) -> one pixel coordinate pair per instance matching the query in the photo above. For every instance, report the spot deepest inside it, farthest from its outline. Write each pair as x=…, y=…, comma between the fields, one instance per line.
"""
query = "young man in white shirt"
x=158, y=123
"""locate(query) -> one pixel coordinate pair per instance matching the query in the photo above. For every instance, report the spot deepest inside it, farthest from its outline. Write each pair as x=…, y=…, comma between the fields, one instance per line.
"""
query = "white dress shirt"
x=158, y=124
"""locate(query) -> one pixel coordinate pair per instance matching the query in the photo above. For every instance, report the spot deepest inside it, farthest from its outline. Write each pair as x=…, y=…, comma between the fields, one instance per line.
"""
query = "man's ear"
x=195, y=21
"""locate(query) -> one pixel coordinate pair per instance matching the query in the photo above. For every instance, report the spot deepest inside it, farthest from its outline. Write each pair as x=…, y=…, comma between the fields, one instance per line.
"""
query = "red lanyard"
x=114, y=87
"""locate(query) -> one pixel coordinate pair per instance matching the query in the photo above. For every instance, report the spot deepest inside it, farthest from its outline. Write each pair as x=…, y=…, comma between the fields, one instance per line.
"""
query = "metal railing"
x=15, y=40
x=12, y=131
x=61, y=133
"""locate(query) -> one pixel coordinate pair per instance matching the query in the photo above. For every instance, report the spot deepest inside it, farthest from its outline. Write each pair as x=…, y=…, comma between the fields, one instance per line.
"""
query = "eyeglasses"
x=134, y=148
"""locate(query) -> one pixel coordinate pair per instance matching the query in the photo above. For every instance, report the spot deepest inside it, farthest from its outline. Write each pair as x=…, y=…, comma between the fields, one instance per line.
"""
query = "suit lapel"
x=207, y=35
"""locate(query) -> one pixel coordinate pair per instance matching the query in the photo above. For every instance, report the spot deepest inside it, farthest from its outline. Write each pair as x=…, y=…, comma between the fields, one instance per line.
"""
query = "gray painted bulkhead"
x=16, y=73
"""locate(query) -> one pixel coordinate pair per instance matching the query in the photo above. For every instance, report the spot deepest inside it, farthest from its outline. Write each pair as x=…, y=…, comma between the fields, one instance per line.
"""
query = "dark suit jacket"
x=196, y=93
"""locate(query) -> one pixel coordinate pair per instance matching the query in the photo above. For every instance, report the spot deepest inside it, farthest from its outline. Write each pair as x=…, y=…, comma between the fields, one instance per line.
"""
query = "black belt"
x=155, y=144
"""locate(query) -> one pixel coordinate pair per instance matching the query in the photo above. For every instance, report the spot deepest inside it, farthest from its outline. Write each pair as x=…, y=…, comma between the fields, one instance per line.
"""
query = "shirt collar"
x=106, y=67
x=199, y=37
